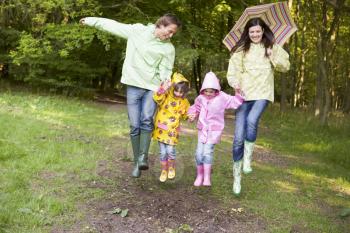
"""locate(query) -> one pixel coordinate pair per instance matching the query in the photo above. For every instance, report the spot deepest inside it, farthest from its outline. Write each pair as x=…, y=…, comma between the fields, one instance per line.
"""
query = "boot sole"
x=135, y=176
x=143, y=167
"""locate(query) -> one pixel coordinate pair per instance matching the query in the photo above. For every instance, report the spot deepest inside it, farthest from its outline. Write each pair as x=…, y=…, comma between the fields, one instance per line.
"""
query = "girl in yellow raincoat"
x=172, y=106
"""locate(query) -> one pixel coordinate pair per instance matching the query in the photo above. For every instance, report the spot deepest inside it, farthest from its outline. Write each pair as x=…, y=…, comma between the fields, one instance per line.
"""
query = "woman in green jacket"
x=148, y=61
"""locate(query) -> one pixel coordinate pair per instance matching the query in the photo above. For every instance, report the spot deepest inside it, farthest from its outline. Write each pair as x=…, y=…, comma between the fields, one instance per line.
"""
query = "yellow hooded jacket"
x=170, y=110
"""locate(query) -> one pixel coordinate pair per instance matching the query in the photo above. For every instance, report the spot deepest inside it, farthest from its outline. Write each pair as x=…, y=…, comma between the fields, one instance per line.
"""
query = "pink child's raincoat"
x=210, y=111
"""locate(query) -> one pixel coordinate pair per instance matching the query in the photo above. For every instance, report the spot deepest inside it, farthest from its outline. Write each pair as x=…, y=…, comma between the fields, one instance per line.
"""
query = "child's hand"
x=191, y=117
x=166, y=84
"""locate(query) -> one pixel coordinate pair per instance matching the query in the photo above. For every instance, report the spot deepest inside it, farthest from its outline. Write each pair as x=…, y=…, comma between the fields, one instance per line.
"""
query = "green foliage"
x=63, y=57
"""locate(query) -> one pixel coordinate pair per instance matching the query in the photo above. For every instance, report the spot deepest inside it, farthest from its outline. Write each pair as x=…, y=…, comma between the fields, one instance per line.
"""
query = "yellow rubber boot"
x=171, y=169
x=164, y=173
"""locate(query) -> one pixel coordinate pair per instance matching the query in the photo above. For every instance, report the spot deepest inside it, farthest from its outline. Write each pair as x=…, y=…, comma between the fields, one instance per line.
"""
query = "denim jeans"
x=166, y=151
x=247, y=120
x=141, y=109
x=204, y=153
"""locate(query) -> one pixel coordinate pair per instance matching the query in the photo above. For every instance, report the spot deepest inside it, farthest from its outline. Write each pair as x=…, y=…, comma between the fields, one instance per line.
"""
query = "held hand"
x=166, y=84
x=191, y=117
x=237, y=90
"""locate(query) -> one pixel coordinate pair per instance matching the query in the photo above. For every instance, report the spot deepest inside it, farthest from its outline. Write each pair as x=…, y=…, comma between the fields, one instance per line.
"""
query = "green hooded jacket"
x=148, y=60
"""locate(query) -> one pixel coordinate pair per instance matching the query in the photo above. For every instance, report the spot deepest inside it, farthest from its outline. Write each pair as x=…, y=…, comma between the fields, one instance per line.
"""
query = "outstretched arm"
x=111, y=26
x=194, y=110
x=234, y=101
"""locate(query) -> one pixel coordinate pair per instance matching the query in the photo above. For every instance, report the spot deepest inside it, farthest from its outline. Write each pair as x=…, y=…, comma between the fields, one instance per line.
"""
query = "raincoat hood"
x=177, y=77
x=210, y=81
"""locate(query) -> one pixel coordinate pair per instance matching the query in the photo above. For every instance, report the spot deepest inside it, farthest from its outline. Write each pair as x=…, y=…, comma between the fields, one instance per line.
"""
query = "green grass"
x=300, y=133
x=45, y=143
x=312, y=185
x=50, y=146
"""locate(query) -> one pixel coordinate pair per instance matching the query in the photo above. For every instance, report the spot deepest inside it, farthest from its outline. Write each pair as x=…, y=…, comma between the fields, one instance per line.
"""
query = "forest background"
x=43, y=46
x=63, y=158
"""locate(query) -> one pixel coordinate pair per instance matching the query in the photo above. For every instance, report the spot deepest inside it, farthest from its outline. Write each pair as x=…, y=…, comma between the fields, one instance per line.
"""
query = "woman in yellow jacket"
x=172, y=106
x=251, y=67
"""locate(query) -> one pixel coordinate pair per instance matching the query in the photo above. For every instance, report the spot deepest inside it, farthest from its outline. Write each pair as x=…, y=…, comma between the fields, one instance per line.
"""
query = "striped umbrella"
x=276, y=16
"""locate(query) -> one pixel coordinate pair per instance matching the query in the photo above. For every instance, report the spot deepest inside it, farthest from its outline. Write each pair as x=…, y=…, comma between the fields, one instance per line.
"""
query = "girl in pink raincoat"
x=209, y=107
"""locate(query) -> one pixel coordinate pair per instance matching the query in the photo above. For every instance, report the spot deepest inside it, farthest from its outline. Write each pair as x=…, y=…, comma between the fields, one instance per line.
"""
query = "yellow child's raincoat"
x=170, y=110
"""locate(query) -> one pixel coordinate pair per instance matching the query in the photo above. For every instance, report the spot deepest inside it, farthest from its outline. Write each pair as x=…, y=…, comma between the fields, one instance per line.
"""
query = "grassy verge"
x=307, y=185
x=49, y=147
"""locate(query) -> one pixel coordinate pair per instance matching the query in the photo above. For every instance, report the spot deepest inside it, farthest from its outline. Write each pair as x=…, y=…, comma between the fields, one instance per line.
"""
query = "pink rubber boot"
x=207, y=175
x=199, y=178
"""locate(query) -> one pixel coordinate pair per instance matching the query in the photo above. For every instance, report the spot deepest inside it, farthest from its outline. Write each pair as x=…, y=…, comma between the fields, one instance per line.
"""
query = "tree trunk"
x=283, y=104
x=325, y=48
x=196, y=68
x=323, y=84
x=346, y=108
x=302, y=62
x=294, y=73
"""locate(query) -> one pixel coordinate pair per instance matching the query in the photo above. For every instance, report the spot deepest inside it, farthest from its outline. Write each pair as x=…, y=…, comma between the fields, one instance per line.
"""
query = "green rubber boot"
x=237, y=166
x=145, y=141
x=135, y=142
x=247, y=157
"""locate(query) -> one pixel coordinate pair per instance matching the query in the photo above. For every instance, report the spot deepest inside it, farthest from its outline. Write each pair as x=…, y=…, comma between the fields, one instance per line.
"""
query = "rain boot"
x=171, y=169
x=145, y=141
x=135, y=143
x=164, y=173
x=247, y=157
x=199, y=178
x=207, y=175
x=237, y=166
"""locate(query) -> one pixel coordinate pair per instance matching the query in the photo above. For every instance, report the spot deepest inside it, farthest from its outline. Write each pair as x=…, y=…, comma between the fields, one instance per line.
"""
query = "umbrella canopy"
x=276, y=16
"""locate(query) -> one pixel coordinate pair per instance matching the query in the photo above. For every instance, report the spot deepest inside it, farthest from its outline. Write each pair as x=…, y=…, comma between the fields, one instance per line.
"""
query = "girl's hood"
x=210, y=81
x=177, y=77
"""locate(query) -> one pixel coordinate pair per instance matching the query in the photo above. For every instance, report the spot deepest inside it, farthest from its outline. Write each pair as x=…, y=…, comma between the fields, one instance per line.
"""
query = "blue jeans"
x=204, y=153
x=166, y=151
x=141, y=109
x=247, y=120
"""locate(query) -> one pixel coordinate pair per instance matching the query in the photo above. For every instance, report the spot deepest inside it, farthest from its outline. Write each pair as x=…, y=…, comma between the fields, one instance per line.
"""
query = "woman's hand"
x=166, y=84
x=237, y=89
x=82, y=21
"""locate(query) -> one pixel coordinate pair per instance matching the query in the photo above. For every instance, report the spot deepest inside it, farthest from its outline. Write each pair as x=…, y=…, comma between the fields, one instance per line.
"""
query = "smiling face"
x=165, y=32
x=256, y=34
x=209, y=92
x=178, y=93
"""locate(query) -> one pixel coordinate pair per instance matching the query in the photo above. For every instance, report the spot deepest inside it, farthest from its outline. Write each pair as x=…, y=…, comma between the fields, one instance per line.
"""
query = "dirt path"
x=155, y=207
